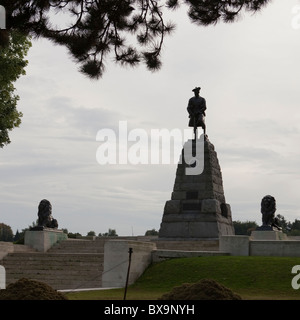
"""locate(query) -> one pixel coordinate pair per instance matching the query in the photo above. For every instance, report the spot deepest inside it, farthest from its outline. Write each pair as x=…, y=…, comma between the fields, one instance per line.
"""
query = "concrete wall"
x=116, y=260
x=275, y=248
x=235, y=245
x=5, y=248
x=43, y=240
x=245, y=246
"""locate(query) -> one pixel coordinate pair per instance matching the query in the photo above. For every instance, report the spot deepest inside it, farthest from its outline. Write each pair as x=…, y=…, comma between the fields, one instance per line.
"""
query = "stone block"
x=5, y=248
x=205, y=229
x=174, y=229
x=268, y=235
x=206, y=194
x=116, y=260
x=275, y=248
x=193, y=205
x=191, y=195
x=178, y=195
x=235, y=245
x=2, y=278
x=189, y=229
x=211, y=205
x=43, y=240
x=172, y=206
x=225, y=227
x=191, y=186
x=190, y=216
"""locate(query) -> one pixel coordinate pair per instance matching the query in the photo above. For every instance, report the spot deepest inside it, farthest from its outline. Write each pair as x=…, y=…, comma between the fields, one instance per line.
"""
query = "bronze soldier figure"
x=196, y=109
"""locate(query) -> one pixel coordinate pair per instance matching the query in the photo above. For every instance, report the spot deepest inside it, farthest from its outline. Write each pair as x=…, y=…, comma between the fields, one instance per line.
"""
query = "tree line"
x=241, y=228
x=290, y=228
x=6, y=233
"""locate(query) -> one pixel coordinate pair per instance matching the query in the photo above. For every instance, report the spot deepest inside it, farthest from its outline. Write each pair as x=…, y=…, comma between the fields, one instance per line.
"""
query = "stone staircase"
x=71, y=264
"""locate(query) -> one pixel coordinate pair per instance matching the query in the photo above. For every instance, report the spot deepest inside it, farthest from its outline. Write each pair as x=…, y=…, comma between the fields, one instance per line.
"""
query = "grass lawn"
x=251, y=277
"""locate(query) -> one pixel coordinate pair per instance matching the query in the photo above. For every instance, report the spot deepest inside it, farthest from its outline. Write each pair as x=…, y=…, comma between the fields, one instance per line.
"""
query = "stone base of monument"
x=206, y=223
x=43, y=240
x=197, y=209
x=268, y=235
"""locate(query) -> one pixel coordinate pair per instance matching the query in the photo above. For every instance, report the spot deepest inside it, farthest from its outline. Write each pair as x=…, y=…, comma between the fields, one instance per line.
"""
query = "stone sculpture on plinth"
x=45, y=219
x=45, y=234
x=270, y=229
x=268, y=209
x=197, y=209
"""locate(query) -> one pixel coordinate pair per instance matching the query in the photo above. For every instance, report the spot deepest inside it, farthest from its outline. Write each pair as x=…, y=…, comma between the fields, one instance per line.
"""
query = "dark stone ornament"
x=268, y=209
x=45, y=219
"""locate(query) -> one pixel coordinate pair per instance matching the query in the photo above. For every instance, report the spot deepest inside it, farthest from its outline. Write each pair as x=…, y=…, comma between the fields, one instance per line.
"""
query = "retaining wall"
x=116, y=261
x=245, y=246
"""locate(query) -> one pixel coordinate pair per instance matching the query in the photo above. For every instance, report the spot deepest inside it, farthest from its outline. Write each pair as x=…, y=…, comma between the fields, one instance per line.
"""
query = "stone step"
x=78, y=246
x=50, y=255
x=20, y=260
x=59, y=270
x=90, y=274
x=53, y=272
x=9, y=265
x=23, y=248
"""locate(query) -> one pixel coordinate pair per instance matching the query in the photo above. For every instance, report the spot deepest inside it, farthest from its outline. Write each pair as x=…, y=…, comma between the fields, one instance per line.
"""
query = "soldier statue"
x=196, y=109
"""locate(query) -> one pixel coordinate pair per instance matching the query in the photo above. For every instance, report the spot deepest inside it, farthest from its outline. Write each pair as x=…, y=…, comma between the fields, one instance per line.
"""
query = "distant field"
x=251, y=277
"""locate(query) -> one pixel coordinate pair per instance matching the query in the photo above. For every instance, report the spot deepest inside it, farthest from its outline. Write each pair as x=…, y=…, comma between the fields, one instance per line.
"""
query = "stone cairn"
x=197, y=209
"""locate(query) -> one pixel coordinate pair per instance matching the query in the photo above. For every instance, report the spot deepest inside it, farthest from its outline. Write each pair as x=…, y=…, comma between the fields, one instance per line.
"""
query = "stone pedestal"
x=44, y=240
x=197, y=209
x=268, y=235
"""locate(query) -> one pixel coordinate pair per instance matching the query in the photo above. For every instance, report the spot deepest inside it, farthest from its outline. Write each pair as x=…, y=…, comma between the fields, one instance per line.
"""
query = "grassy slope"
x=251, y=277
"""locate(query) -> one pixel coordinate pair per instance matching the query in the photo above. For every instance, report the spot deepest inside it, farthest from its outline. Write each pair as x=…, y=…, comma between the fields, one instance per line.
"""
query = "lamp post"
x=127, y=278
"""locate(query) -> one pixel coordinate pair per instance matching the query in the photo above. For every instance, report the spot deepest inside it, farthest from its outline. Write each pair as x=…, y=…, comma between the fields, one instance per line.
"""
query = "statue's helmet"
x=197, y=89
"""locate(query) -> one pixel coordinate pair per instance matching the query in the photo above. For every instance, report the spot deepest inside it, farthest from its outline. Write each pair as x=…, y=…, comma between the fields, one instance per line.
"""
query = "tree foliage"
x=244, y=228
x=12, y=64
x=100, y=28
x=110, y=233
x=6, y=233
x=151, y=232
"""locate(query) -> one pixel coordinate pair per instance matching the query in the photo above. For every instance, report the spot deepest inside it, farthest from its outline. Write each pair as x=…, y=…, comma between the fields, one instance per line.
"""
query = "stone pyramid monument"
x=197, y=209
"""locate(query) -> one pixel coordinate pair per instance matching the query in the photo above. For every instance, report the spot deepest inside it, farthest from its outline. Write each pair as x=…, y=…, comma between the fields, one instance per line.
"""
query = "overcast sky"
x=249, y=74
